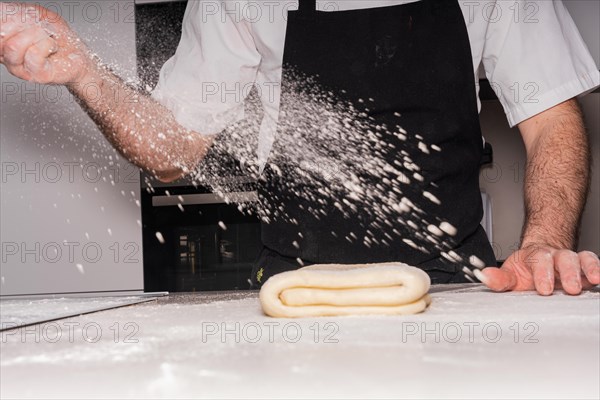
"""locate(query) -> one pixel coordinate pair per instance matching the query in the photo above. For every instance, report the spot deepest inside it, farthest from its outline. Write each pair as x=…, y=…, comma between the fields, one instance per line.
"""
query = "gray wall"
x=69, y=193
x=505, y=179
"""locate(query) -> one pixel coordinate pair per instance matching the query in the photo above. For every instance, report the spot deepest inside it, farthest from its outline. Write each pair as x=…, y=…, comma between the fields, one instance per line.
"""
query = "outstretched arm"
x=139, y=127
x=37, y=45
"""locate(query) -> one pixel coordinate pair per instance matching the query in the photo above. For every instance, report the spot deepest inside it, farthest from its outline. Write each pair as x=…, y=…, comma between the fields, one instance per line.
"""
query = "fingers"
x=542, y=269
x=27, y=54
x=497, y=279
x=590, y=264
x=9, y=28
x=36, y=58
x=14, y=19
x=38, y=46
x=15, y=48
x=566, y=263
x=8, y=7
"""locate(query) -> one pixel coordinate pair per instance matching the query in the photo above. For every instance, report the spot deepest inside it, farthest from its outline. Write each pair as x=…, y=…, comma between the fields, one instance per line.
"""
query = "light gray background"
x=49, y=133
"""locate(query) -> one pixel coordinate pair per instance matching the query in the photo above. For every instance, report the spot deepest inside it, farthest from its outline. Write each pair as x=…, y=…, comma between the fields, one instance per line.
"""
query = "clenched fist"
x=37, y=45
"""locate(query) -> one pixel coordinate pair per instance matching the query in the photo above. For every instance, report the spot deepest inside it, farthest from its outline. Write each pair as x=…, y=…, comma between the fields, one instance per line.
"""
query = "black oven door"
x=196, y=242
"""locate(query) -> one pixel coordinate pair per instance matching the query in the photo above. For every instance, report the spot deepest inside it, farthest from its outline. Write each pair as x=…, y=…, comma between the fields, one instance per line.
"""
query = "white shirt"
x=531, y=52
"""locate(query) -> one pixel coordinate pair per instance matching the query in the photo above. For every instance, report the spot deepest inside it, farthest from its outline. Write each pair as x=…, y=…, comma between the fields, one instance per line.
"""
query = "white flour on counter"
x=521, y=345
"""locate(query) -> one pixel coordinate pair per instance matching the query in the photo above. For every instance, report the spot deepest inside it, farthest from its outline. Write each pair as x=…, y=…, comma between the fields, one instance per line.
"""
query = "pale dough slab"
x=334, y=289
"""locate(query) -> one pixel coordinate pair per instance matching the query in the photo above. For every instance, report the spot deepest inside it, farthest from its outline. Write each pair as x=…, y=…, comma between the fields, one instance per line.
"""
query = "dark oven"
x=194, y=241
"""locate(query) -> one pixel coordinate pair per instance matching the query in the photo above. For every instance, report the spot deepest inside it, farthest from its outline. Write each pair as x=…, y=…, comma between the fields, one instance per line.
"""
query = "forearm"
x=557, y=180
x=140, y=128
x=38, y=45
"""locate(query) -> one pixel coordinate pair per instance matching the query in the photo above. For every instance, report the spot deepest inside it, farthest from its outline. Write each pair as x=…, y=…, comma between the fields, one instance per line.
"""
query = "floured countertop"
x=17, y=312
x=471, y=343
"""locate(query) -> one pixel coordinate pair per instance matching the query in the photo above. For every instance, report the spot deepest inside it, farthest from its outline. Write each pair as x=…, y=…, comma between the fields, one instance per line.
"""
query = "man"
x=414, y=59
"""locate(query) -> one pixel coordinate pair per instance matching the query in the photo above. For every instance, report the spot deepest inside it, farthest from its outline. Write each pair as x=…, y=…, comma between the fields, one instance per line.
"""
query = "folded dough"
x=334, y=289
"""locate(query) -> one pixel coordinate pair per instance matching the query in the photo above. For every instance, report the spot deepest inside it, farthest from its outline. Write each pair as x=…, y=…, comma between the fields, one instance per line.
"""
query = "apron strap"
x=307, y=6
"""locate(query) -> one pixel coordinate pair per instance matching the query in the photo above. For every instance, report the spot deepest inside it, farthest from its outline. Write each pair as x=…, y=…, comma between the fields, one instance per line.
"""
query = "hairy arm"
x=139, y=127
x=556, y=187
x=38, y=45
x=557, y=176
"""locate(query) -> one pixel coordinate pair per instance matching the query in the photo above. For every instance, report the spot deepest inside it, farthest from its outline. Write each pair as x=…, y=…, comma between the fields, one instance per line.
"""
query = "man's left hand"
x=544, y=269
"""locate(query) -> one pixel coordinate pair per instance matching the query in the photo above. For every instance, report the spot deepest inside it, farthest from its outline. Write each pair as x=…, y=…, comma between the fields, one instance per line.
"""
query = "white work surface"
x=16, y=312
x=556, y=353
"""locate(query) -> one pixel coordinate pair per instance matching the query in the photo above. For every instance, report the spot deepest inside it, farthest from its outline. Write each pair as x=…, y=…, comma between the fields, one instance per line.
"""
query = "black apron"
x=412, y=60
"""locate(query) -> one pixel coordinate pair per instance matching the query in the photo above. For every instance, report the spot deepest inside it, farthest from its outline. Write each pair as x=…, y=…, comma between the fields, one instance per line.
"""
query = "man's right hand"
x=37, y=45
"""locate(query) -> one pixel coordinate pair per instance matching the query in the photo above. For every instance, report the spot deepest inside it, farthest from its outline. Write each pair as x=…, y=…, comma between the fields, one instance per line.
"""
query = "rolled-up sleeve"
x=214, y=68
x=535, y=58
